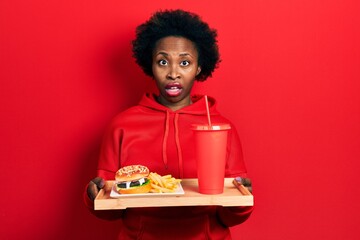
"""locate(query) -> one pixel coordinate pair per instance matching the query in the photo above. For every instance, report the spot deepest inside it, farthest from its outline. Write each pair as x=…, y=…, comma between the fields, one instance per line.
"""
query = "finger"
x=100, y=183
x=246, y=182
x=92, y=190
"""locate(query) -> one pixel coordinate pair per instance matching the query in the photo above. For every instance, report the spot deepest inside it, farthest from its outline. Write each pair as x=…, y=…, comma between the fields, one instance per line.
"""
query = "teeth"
x=173, y=89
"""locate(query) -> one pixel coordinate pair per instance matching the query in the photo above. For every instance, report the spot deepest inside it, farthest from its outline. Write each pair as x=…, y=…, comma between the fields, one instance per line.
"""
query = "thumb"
x=99, y=182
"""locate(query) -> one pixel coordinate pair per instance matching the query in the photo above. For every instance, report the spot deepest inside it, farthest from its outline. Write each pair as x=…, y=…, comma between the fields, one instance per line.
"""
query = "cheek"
x=191, y=72
x=158, y=75
x=156, y=71
x=153, y=68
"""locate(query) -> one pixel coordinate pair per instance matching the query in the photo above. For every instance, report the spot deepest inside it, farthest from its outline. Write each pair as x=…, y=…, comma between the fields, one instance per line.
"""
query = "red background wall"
x=289, y=80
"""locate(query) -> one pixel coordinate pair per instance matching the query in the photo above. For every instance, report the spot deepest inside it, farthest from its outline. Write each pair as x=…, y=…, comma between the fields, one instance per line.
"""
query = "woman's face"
x=175, y=66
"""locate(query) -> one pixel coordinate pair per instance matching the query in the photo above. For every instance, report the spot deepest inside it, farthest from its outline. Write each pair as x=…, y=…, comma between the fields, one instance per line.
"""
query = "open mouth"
x=173, y=89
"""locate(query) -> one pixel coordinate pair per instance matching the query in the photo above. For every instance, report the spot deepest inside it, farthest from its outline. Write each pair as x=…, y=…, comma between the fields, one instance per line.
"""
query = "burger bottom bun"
x=145, y=188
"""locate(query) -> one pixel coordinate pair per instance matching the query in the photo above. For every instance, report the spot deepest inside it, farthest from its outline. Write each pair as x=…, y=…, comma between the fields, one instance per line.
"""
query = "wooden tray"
x=230, y=197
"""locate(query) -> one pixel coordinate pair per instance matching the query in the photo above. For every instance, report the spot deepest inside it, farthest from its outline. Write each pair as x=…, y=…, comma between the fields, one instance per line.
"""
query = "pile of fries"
x=163, y=184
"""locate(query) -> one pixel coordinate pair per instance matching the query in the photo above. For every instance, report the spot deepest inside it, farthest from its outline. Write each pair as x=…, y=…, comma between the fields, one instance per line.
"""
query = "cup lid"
x=213, y=127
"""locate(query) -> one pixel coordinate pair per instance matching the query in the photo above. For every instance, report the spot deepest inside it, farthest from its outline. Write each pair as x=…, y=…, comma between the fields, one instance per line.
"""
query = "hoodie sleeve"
x=108, y=164
x=109, y=159
x=235, y=165
x=103, y=214
x=231, y=216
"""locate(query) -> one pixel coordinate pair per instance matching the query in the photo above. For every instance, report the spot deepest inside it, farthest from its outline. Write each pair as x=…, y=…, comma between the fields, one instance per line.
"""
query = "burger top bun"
x=130, y=173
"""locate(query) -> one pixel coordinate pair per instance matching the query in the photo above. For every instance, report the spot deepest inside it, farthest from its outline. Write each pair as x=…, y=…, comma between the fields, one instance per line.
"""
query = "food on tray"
x=163, y=184
x=137, y=179
x=132, y=179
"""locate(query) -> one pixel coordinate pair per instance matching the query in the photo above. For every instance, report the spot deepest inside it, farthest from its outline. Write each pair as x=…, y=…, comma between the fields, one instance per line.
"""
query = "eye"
x=184, y=63
x=162, y=62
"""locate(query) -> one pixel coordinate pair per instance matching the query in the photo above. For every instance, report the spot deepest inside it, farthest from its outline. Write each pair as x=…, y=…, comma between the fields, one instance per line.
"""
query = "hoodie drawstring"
x=177, y=140
x=166, y=134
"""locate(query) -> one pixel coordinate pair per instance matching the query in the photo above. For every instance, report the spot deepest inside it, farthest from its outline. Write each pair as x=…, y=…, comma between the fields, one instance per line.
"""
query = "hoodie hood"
x=197, y=108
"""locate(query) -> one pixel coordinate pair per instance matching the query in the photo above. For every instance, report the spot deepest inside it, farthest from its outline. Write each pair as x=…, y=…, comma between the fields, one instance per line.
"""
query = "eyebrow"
x=166, y=54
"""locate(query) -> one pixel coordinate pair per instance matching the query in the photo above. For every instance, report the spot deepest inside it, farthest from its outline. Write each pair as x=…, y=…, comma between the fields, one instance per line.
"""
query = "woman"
x=176, y=48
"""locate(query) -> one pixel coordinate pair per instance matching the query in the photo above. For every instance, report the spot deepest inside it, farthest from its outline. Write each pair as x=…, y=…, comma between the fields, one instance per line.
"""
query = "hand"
x=94, y=187
x=246, y=182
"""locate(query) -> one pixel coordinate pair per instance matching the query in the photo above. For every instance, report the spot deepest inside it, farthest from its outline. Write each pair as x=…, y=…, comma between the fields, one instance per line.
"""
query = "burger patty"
x=135, y=183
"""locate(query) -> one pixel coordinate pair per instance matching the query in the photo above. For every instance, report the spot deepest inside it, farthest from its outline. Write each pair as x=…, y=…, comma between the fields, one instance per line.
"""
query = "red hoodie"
x=161, y=139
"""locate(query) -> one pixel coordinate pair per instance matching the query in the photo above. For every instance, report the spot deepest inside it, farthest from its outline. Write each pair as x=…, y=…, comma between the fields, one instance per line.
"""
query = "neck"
x=174, y=105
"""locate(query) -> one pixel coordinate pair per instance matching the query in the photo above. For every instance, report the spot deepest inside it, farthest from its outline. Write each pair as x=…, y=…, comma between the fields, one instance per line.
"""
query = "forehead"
x=173, y=44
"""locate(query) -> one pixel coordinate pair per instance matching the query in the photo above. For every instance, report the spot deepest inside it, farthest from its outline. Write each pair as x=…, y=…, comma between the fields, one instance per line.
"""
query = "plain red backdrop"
x=289, y=80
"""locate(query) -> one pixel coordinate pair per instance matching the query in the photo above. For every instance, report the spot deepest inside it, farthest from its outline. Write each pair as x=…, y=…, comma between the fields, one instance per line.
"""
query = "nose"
x=173, y=73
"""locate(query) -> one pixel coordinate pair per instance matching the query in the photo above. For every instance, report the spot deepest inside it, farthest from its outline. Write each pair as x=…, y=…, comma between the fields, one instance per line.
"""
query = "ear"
x=198, y=70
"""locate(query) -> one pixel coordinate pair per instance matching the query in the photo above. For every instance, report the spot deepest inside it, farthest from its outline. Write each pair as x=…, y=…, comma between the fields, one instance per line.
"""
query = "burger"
x=132, y=179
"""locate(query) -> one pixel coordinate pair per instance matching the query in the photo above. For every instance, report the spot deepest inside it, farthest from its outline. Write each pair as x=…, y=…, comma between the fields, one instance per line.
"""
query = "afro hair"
x=182, y=24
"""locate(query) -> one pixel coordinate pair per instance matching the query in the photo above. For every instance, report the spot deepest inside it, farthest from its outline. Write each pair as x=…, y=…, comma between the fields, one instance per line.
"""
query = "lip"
x=173, y=89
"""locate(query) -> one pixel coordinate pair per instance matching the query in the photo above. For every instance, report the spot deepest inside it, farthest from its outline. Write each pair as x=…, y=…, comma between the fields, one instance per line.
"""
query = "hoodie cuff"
x=231, y=216
x=88, y=202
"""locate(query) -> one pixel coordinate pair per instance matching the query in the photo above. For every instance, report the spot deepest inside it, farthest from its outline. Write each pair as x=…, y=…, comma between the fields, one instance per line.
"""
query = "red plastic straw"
x=208, y=111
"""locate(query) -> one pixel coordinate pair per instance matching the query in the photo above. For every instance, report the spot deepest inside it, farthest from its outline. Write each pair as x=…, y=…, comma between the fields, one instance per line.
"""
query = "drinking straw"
x=208, y=111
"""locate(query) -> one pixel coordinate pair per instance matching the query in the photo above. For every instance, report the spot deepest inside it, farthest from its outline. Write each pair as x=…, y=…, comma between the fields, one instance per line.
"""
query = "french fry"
x=157, y=180
x=163, y=184
x=162, y=189
x=153, y=190
x=152, y=178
